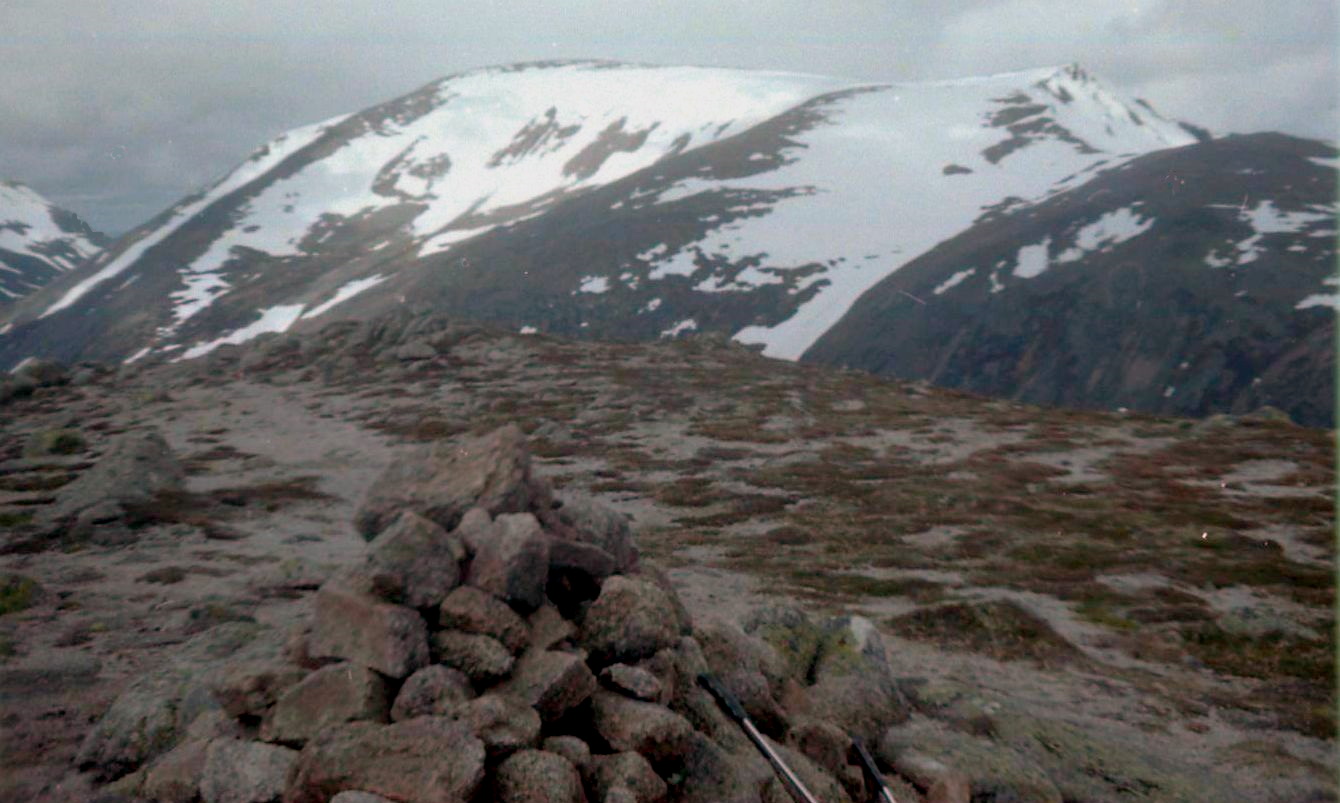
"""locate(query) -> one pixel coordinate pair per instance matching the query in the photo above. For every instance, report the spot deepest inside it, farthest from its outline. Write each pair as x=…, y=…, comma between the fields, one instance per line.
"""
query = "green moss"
x=10, y=518
x=55, y=441
x=17, y=593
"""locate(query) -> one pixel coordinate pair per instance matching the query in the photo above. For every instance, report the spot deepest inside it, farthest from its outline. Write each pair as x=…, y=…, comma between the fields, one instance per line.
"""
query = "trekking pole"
x=872, y=776
x=728, y=701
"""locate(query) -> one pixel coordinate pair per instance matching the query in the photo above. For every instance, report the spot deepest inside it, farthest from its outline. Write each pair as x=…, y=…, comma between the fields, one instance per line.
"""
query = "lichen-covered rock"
x=471, y=610
x=713, y=775
x=594, y=523
x=630, y=620
x=502, y=722
x=353, y=625
x=428, y=759
x=329, y=696
x=548, y=628
x=484, y=660
x=435, y=690
x=794, y=637
x=511, y=561
x=552, y=682
x=359, y=797
x=820, y=783
x=534, y=776
x=444, y=480
x=853, y=686
x=152, y=715
x=247, y=688
x=628, y=771
x=133, y=470
x=926, y=752
x=245, y=772
x=656, y=732
x=416, y=560
x=576, y=751
x=632, y=681
x=174, y=777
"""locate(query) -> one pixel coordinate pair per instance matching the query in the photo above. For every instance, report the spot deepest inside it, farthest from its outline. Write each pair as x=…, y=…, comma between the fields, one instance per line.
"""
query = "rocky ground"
x=1073, y=606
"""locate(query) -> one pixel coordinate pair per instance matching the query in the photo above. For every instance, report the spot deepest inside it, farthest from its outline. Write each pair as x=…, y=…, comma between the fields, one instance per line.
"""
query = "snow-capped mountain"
x=38, y=241
x=599, y=199
x=1188, y=281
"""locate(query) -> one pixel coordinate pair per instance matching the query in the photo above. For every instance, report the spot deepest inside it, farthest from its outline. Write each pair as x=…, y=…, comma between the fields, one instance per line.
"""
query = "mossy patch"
x=18, y=593
x=55, y=441
x=999, y=629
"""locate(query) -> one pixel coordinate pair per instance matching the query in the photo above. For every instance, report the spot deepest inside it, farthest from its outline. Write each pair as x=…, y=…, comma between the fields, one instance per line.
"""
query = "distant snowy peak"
x=38, y=241
x=762, y=203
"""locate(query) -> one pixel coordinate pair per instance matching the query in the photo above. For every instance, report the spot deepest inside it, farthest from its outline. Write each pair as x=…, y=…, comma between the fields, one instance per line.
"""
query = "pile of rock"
x=497, y=644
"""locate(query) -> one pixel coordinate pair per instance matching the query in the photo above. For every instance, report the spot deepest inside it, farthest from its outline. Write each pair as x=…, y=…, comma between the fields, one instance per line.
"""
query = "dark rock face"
x=1198, y=314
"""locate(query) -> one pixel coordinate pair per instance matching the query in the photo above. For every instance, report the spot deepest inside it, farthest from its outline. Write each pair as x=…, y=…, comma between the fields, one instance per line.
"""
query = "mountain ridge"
x=596, y=199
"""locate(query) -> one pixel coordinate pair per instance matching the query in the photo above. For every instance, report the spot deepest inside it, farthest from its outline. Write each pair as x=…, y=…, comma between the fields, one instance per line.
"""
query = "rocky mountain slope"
x=1074, y=605
x=1189, y=281
x=38, y=241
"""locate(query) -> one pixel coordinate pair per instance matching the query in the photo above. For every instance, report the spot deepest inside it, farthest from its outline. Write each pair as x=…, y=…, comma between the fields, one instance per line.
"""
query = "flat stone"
x=534, y=776
x=552, y=682
x=654, y=731
x=247, y=688
x=329, y=696
x=435, y=690
x=512, y=563
x=502, y=722
x=417, y=559
x=245, y=772
x=471, y=610
x=428, y=759
x=359, y=628
x=632, y=681
x=626, y=771
x=630, y=620
x=484, y=660
x=444, y=480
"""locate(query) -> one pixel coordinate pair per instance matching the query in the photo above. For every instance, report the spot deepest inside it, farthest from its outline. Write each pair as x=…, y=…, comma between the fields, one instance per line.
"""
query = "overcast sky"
x=117, y=108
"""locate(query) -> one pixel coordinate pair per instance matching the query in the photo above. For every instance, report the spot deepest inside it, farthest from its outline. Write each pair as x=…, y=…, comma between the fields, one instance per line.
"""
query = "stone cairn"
x=497, y=644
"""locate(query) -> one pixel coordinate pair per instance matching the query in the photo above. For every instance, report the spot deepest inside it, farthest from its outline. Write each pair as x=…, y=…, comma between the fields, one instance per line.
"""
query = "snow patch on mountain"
x=1330, y=299
x=260, y=162
x=855, y=175
x=953, y=281
x=345, y=293
x=1031, y=260
x=273, y=319
x=594, y=285
x=1111, y=229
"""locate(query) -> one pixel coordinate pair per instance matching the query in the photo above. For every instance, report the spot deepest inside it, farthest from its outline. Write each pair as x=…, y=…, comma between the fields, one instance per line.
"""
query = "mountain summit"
x=605, y=200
